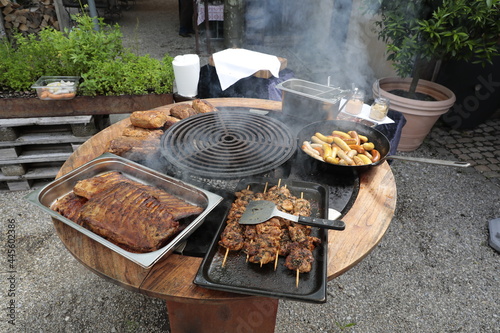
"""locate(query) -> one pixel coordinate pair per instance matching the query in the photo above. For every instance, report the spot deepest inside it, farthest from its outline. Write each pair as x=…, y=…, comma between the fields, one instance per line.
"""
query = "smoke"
x=319, y=38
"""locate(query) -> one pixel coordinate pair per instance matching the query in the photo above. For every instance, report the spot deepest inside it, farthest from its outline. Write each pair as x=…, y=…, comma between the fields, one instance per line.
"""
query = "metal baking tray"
x=46, y=196
x=310, y=101
x=246, y=278
x=313, y=90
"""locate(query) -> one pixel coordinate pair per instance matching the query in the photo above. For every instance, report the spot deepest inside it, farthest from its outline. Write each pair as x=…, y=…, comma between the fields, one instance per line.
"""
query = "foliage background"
x=96, y=55
x=420, y=32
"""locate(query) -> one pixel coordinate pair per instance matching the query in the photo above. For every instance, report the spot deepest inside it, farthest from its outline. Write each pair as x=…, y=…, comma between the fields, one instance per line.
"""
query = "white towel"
x=234, y=64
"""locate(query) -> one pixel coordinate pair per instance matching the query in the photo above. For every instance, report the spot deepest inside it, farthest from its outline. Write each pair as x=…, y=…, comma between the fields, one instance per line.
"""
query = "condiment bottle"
x=379, y=109
x=355, y=102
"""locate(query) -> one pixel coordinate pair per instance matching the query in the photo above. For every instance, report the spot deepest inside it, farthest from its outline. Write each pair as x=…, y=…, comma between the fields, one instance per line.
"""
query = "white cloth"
x=215, y=12
x=365, y=114
x=235, y=64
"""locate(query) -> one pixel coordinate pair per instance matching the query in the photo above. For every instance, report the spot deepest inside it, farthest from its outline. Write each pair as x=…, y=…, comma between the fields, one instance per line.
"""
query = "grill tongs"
x=258, y=211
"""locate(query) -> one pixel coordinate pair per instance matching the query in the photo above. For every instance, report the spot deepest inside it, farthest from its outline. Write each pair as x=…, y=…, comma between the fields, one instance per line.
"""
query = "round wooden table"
x=196, y=309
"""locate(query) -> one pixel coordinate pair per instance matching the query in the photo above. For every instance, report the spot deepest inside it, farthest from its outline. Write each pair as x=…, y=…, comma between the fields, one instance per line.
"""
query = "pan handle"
x=321, y=223
x=430, y=161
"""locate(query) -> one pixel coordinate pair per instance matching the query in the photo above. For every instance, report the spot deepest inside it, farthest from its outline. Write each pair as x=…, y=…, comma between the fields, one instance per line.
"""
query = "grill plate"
x=225, y=144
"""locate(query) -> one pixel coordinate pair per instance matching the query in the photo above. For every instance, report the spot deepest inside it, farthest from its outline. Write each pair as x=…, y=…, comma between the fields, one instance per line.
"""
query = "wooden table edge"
x=151, y=283
x=377, y=189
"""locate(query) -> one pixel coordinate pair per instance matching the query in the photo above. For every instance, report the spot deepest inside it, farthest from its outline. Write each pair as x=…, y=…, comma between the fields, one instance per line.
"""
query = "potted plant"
x=420, y=34
x=96, y=55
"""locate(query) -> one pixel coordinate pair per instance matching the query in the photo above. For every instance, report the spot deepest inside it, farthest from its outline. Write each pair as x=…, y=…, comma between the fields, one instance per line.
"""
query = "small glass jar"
x=379, y=109
x=355, y=103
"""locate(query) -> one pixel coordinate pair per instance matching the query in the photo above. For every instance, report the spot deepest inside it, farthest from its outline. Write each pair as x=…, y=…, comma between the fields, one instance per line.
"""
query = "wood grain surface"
x=171, y=278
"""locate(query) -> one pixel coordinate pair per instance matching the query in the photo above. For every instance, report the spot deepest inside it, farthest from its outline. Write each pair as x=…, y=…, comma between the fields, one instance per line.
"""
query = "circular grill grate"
x=228, y=144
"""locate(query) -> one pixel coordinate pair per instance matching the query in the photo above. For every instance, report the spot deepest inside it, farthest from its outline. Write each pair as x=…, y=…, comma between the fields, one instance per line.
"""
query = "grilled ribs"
x=130, y=217
x=177, y=207
x=88, y=187
x=137, y=217
x=69, y=206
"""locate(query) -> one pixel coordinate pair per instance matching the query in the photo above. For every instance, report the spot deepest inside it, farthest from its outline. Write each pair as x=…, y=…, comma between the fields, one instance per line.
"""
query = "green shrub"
x=129, y=74
x=420, y=31
x=97, y=55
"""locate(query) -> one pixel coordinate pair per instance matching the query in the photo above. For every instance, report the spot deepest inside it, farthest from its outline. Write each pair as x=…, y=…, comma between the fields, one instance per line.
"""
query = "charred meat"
x=130, y=217
x=276, y=237
x=135, y=216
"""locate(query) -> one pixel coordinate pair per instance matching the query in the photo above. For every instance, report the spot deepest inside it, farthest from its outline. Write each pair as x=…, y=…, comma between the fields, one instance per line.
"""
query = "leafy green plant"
x=97, y=55
x=32, y=57
x=126, y=75
x=417, y=32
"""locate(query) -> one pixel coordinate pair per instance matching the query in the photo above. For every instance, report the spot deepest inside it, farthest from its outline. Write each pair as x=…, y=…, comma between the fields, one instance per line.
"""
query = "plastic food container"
x=56, y=88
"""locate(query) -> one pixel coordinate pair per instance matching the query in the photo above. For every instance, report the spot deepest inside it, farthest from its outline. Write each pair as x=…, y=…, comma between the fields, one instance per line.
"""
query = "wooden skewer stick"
x=297, y=279
x=276, y=260
x=225, y=257
x=265, y=188
x=279, y=182
x=248, y=254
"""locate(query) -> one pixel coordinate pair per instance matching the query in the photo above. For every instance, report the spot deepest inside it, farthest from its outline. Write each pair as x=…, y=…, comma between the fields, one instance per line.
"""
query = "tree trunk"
x=234, y=23
x=415, y=78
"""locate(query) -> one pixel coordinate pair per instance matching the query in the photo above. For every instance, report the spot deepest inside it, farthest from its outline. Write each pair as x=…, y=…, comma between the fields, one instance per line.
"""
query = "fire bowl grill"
x=230, y=144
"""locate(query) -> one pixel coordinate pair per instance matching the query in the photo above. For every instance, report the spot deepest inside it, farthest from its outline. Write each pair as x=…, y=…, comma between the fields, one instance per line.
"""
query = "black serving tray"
x=247, y=278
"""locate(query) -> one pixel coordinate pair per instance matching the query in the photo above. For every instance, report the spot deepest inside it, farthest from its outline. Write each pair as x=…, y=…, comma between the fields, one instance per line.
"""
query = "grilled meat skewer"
x=265, y=242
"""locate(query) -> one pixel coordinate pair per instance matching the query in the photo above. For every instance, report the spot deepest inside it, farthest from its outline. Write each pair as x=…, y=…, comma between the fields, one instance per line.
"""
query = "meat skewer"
x=232, y=238
x=265, y=242
x=262, y=249
x=300, y=256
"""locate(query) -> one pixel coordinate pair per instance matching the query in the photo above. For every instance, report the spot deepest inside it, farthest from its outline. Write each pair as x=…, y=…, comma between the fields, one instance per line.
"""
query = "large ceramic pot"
x=420, y=115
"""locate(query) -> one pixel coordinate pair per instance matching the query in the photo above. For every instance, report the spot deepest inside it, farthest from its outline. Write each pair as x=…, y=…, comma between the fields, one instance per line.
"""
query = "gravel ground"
x=432, y=272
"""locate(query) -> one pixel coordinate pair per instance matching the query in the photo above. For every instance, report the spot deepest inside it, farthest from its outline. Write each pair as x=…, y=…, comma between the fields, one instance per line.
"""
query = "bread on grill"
x=182, y=111
x=123, y=145
x=203, y=106
x=148, y=119
x=134, y=131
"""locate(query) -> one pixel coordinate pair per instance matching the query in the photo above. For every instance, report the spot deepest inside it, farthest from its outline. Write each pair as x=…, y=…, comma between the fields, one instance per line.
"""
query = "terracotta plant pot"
x=420, y=115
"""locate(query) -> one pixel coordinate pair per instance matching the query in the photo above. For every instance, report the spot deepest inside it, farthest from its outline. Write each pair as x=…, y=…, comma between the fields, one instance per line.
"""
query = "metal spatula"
x=259, y=211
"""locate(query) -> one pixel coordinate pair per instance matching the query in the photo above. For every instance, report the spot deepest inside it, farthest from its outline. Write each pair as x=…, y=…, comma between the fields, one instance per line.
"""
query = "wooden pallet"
x=52, y=135
x=33, y=149
x=35, y=153
x=80, y=126
x=35, y=176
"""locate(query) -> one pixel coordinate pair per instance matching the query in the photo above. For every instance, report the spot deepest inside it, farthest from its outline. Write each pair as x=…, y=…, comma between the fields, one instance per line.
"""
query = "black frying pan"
x=382, y=144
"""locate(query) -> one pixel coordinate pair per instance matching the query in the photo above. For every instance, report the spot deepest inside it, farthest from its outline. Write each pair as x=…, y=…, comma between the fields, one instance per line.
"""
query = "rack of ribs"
x=137, y=217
